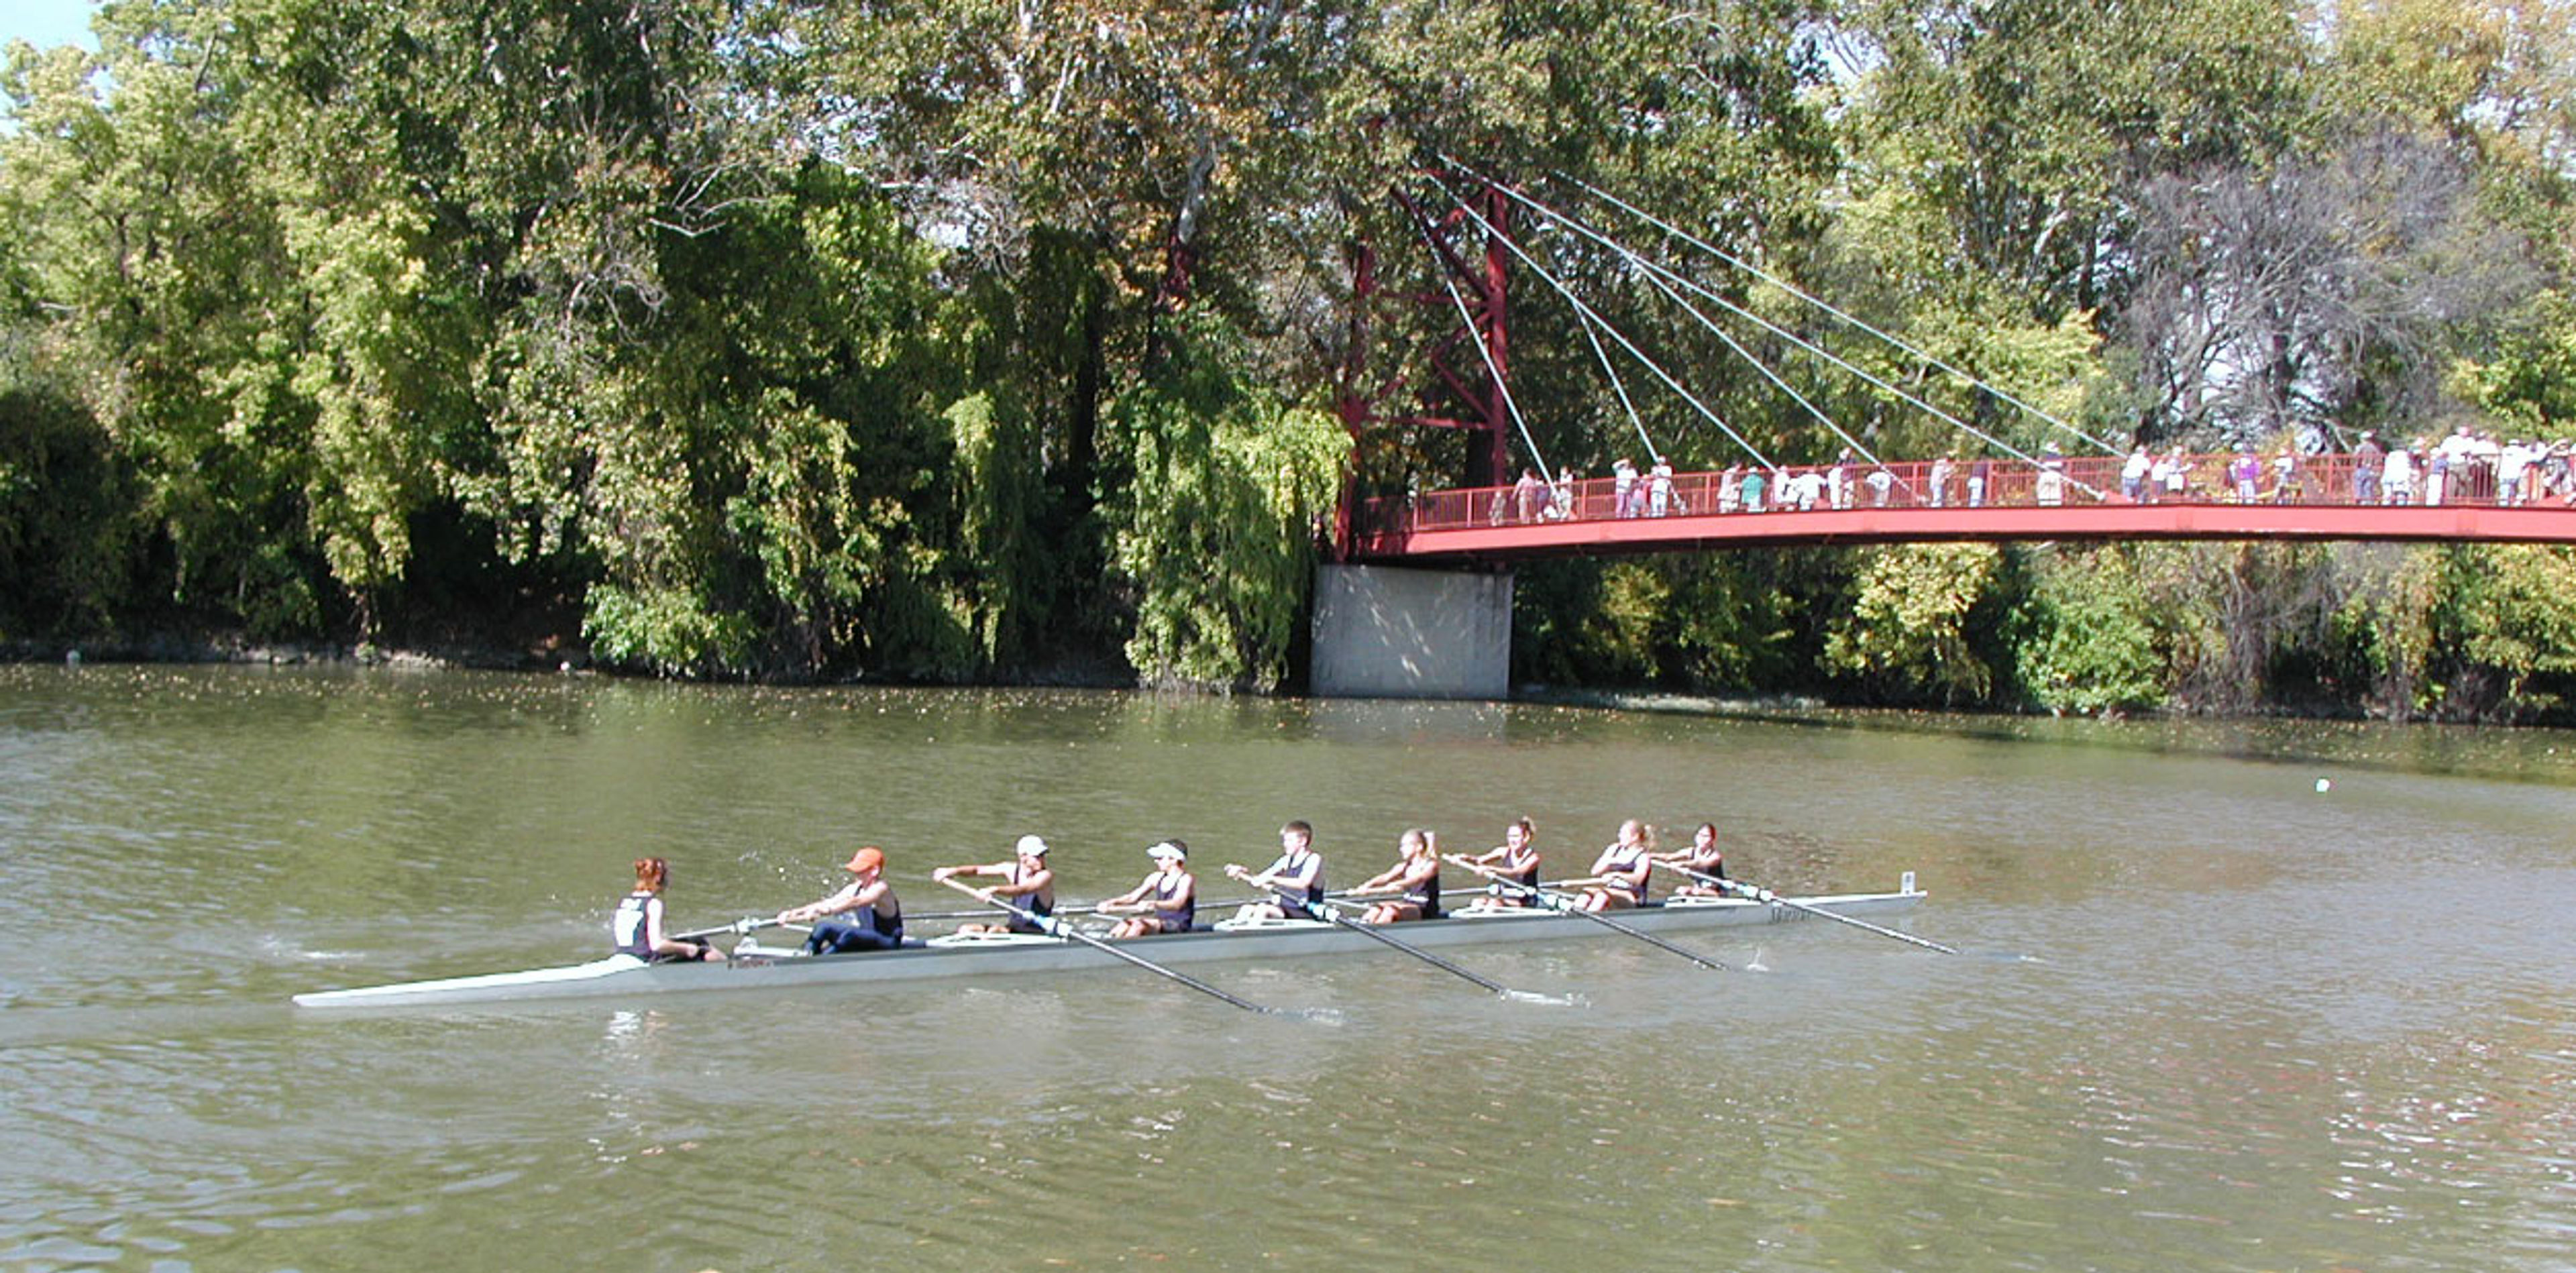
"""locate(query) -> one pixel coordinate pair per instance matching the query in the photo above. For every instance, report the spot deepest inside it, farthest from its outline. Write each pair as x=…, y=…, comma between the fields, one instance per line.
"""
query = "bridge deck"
x=2081, y=501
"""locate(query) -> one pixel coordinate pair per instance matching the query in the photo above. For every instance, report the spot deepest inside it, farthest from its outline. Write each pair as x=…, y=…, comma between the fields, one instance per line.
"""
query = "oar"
x=743, y=925
x=1055, y=927
x=1765, y=895
x=1209, y=903
x=1372, y=932
x=1562, y=906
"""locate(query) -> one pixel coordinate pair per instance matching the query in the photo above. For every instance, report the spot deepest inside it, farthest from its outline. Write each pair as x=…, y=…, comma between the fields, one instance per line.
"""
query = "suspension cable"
x=1440, y=262
x=1792, y=289
x=1625, y=343
x=1619, y=387
x=1776, y=329
x=1654, y=273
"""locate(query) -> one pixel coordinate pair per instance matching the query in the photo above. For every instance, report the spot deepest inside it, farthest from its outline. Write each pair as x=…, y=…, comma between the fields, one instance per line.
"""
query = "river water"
x=2205, y=1016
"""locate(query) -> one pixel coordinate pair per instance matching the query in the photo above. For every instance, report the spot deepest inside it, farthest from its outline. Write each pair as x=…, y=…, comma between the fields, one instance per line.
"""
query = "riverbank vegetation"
x=959, y=341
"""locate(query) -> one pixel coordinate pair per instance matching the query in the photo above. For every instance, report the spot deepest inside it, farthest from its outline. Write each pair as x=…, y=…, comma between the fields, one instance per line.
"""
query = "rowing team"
x=864, y=914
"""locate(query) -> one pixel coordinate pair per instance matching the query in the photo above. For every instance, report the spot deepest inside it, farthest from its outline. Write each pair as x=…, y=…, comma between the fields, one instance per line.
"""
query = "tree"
x=2304, y=296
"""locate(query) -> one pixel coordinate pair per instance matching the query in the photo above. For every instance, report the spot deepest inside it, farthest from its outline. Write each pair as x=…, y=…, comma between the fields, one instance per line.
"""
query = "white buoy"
x=2324, y=785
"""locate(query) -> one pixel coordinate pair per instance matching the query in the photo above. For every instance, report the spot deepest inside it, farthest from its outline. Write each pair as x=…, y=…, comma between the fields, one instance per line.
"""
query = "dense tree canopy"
x=957, y=339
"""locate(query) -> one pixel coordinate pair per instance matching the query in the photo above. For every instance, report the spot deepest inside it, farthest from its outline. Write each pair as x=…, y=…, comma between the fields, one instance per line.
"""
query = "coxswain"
x=1515, y=861
x=1410, y=889
x=1618, y=878
x=863, y=915
x=1703, y=857
x=1026, y=883
x=1295, y=881
x=1168, y=900
x=637, y=925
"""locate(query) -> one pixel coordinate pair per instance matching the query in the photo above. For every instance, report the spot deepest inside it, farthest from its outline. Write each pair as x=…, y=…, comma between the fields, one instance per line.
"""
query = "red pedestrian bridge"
x=1932, y=502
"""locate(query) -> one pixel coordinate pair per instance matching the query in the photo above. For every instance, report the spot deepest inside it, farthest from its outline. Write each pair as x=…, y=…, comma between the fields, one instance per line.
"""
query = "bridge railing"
x=2328, y=480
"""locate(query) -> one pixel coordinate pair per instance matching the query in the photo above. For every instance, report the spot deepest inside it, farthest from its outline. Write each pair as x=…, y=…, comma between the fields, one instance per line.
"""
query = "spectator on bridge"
x=1838, y=480
x=1730, y=488
x=2177, y=473
x=2245, y=473
x=2051, y=484
x=1753, y=490
x=2467, y=467
x=2437, y=473
x=1528, y=494
x=2289, y=485
x=1623, y=481
x=1806, y=488
x=2511, y=464
x=1940, y=479
x=2397, y=477
x=2368, y=459
x=1978, y=471
x=1880, y=482
x=2134, y=474
x=1659, y=487
x=1560, y=497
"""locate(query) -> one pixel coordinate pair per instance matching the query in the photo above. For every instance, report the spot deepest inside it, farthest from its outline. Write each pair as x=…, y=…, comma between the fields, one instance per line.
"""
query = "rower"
x=637, y=925
x=1516, y=860
x=1414, y=882
x=1168, y=900
x=862, y=915
x=1618, y=879
x=1295, y=881
x=1025, y=879
x=1703, y=857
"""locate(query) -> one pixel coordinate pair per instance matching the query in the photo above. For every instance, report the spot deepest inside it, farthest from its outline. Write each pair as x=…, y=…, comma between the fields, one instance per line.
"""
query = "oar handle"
x=1058, y=928
x=1011, y=904
x=1759, y=894
x=1703, y=877
x=743, y=925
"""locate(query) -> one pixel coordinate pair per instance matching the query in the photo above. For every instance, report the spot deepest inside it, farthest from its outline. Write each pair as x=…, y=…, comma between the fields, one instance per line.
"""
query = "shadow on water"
x=2523, y=754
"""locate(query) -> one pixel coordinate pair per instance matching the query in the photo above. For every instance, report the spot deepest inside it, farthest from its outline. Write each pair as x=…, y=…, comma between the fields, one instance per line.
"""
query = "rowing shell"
x=760, y=968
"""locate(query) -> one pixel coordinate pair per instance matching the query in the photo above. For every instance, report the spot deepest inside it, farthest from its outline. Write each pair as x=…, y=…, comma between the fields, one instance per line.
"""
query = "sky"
x=46, y=23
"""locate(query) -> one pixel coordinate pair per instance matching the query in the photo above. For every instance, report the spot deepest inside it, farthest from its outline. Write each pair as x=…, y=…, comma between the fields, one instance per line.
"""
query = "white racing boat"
x=758, y=967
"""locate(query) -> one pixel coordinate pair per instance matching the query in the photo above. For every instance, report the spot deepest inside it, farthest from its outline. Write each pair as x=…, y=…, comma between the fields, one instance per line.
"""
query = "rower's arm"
x=1025, y=887
x=845, y=899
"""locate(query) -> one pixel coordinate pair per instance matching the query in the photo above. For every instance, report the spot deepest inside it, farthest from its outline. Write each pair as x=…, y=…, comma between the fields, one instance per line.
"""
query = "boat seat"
x=1687, y=901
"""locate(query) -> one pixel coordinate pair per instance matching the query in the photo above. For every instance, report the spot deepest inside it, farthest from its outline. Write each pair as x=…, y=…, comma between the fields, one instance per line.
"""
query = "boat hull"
x=623, y=975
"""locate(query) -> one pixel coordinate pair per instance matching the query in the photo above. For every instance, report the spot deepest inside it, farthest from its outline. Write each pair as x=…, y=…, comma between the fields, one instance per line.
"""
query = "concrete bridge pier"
x=1398, y=632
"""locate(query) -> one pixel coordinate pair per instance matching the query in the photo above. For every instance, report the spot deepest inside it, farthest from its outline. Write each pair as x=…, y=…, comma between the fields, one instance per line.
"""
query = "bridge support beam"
x=1393, y=632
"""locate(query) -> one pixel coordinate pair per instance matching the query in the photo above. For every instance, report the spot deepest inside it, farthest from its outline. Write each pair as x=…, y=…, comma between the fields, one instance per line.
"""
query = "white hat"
x=1168, y=849
x=1033, y=846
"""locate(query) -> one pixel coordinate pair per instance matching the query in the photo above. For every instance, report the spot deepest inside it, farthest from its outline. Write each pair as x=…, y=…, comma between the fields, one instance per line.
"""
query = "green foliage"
x=1907, y=634
x=667, y=630
x=2506, y=623
x=1215, y=529
x=1720, y=623
x=955, y=339
x=66, y=517
x=2091, y=641
x=2530, y=380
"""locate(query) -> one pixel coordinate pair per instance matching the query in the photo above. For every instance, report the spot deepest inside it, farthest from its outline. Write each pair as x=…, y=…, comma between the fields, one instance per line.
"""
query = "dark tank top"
x=632, y=928
x=1184, y=919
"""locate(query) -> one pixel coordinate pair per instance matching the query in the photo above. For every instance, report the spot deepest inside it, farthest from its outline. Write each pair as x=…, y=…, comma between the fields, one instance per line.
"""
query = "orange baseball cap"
x=868, y=859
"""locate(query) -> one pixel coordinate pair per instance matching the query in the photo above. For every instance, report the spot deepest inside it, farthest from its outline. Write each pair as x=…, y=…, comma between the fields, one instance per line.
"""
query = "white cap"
x=1167, y=849
x=1032, y=846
